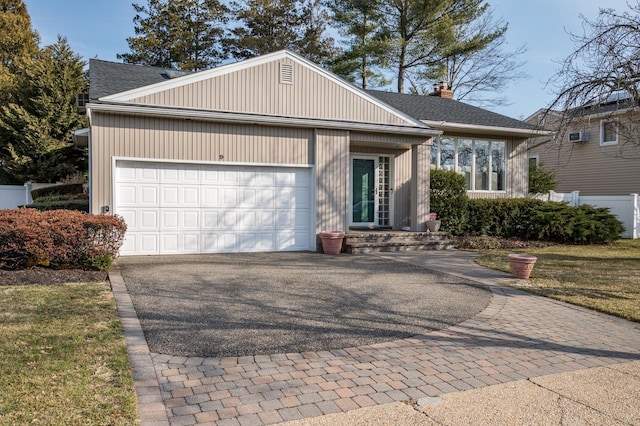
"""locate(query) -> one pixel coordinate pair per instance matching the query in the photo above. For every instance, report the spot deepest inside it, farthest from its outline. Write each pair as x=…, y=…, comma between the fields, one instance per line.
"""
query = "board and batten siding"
x=589, y=167
x=332, y=180
x=258, y=90
x=115, y=135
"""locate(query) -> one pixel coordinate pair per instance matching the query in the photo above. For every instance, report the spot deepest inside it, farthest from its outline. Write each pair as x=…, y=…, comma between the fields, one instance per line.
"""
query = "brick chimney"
x=442, y=90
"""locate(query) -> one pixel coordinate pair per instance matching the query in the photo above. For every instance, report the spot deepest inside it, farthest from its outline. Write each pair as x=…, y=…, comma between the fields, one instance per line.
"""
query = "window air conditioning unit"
x=578, y=137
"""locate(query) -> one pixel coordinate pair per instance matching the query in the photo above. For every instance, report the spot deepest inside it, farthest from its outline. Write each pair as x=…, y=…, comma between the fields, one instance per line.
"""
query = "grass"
x=601, y=277
x=62, y=357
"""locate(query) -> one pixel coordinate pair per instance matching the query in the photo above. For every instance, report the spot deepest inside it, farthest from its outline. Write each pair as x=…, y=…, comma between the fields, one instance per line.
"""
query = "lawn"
x=601, y=277
x=62, y=357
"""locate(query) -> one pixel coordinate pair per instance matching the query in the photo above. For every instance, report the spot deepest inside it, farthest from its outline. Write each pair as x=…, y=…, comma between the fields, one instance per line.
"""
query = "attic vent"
x=286, y=73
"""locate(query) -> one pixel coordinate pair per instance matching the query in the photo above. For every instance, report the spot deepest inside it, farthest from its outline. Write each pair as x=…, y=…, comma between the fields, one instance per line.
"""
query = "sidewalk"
x=523, y=360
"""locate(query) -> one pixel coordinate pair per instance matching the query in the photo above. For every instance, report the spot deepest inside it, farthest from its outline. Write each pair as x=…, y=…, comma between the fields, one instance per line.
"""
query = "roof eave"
x=246, y=118
x=485, y=130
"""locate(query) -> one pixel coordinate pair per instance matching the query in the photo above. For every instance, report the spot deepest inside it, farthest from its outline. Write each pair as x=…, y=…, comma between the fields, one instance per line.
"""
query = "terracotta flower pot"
x=521, y=265
x=332, y=241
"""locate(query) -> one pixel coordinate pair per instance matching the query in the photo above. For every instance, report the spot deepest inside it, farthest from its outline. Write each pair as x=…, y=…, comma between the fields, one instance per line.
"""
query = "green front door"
x=364, y=191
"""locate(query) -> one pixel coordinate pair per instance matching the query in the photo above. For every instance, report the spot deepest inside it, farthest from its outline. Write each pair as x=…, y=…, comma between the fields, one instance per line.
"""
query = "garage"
x=173, y=208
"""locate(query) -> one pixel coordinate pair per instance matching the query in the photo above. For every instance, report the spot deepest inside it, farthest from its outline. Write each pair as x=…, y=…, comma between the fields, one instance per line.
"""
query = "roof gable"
x=255, y=86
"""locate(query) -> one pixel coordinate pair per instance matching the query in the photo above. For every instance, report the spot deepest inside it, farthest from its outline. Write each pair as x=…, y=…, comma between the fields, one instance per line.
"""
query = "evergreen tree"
x=479, y=67
x=359, y=22
x=151, y=45
x=36, y=129
x=183, y=34
x=423, y=33
x=268, y=26
x=18, y=45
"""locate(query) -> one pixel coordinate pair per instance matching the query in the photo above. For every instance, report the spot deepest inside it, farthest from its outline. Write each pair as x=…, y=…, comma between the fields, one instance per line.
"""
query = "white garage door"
x=185, y=208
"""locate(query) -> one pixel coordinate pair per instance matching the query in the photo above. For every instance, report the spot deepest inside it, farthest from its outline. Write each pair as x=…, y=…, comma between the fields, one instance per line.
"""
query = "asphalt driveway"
x=266, y=303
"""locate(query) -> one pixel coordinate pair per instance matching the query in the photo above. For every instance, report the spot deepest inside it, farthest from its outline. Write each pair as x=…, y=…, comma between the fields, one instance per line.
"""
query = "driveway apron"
x=517, y=336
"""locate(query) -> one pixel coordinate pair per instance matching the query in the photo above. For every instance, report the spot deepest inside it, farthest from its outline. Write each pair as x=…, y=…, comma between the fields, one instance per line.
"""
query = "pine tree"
x=423, y=33
x=35, y=129
x=18, y=45
x=359, y=22
x=269, y=26
x=183, y=34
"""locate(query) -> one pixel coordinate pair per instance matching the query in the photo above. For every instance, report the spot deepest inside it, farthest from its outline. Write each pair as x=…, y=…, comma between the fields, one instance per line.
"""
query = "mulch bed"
x=44, y=276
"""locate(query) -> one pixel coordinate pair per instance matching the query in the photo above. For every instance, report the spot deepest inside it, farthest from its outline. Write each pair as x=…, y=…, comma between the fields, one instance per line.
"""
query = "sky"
x=99, y=29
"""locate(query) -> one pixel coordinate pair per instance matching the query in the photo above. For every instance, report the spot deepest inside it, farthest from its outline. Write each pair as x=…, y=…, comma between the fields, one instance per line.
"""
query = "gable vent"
x=286, y=73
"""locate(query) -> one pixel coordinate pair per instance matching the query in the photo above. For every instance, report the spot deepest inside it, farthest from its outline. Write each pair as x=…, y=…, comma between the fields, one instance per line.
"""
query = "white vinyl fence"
x=12, y=196
x=625, y=207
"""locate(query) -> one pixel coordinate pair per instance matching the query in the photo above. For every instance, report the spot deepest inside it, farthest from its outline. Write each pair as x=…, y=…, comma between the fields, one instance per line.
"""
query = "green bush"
x=581, y=225
x=449, y=200
x=541, y=180
x=502, y=217
x=58, y=239
x=79, y=202
x=69, y=188
x=530, y=219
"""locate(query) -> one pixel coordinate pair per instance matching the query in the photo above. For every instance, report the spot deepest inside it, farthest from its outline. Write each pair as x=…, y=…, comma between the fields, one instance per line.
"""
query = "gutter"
x=246, y=118
x=494, y=130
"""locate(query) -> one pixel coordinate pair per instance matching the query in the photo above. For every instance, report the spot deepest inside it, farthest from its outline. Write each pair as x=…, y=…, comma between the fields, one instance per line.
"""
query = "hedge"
x=67, y=188
x=529, y=219
x=59, y=239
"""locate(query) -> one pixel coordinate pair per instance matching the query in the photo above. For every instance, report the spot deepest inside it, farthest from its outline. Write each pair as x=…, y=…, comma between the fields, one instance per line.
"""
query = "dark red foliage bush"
x=58, y=238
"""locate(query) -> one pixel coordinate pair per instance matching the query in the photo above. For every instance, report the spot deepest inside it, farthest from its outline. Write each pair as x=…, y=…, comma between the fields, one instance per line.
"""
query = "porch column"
x=419, y=187
x=332, y=180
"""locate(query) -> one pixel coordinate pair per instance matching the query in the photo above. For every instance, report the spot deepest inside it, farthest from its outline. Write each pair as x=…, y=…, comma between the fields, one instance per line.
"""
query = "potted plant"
x=521, y=265
x=433, y=224
x=331, y=241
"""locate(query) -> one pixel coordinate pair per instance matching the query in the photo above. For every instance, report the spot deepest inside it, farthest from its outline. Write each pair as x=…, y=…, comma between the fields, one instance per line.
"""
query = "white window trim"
x=608, y=143
x=535, y=157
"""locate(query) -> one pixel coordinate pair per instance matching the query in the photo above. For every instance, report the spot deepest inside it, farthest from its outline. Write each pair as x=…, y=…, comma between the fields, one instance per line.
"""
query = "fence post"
x=635, y=217
x=575, y=199
x=27, y=195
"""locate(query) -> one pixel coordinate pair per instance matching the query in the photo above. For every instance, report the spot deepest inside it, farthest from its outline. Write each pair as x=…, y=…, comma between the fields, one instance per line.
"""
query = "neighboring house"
x=595, y=152
x=263, y=154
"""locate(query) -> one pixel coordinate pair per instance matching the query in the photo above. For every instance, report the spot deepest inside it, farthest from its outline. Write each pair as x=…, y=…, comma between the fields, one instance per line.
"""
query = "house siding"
x=258, y=90
x=115, y=135
x=588, y=167
x=332, y=183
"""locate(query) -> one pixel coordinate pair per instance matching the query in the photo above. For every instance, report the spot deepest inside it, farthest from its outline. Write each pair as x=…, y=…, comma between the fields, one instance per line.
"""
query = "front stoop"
x=386, y=241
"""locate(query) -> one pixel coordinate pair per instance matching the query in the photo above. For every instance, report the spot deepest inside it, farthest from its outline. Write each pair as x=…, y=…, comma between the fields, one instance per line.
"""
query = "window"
x=608, y=132
x=481, y=162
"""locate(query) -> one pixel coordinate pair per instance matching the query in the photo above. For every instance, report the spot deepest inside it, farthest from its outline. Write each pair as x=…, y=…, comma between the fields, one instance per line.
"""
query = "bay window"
x=481, y=162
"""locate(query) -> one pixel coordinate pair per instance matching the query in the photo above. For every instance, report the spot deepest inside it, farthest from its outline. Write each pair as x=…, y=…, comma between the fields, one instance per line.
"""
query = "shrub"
x=541, y=180
x=58, y=238
x=581, y=225
x=449, y=200
x=530, y=219
x=78, y=202
x=69, y=188
x=502, y=217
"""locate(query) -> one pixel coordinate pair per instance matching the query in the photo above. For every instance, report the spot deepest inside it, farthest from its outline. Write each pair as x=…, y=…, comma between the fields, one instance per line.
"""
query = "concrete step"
x=372, y=242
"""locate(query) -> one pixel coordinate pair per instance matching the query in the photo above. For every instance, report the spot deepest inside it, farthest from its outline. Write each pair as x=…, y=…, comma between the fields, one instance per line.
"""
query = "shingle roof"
x=107, y=78
x=434, y=108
